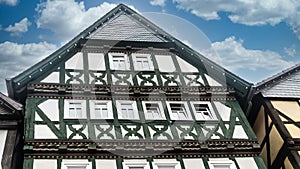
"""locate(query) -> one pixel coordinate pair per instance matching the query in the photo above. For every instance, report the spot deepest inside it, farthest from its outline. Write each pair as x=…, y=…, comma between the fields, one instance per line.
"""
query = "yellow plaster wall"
x=276, y=143
x=264, y=154
x=292, y=110
x=259, y=125
x=287, y=164
x=289, y=108
x=293, y=130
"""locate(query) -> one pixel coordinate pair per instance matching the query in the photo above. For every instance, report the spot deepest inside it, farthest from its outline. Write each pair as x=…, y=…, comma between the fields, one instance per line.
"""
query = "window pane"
x=222, y=167
x=166, y=167
x=127, y=111
x=136, y=167
x=203, y=112
x=153, y=111
x=76, y=167
x=75, y=110
x=119, y=62
x=101, y=110
x=142, y=62
x=178, y=111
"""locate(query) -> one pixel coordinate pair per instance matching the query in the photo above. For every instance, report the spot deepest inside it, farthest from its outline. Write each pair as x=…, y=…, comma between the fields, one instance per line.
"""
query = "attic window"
x=179, y=111
x=153, y=110
x=142, y=62
x=118, y=61
x=203, y=111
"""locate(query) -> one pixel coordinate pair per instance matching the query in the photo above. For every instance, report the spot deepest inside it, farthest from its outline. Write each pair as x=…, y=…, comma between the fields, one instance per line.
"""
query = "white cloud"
x=161, y=3
x=234, y=56
x=9, y=2
x=248, y=12
x=67, y=18
x=291, y=51
x=15, y=58
x=19, y=27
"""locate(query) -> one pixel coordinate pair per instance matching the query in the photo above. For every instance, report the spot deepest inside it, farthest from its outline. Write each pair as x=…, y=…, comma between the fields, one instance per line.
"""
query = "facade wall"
x=50, y=120
x=277, y=133
x=291, y=109
x=172, y=163
x=138, y=106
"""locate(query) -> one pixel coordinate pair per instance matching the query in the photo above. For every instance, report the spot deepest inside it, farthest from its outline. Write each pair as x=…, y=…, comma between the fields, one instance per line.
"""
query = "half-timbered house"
x=275, y=117
x=11, y=131
x=124, y=94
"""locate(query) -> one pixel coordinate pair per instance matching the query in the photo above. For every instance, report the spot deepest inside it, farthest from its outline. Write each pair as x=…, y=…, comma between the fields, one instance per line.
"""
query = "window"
x=178, y=111
x=222, y=167
x=75, y=109
x=101, y=109
x=153, y=110
x=203, y=111
x=76, y=164
x=118, y=61
x=127, y=110
x=76, y=167
x=135, y=164
x=166, y=167
x=142, y=62
x=166, y=164
x=221, y=164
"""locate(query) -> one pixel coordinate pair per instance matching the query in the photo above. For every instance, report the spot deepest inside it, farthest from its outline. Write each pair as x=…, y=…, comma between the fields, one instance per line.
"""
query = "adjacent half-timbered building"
x=11, y=114
x=124, y=94
x=275, y=117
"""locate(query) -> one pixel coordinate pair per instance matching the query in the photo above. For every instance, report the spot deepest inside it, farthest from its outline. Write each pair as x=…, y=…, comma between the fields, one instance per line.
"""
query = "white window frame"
x=66, y=164
x=67, y=108
x=210, y=111
x=187, y=113
x=135, y=57
x=111, y=61
x=212, y=163
x=160, y=107
x=108, y=105
x=119, y=104
x=166, y=163
x=135, y=163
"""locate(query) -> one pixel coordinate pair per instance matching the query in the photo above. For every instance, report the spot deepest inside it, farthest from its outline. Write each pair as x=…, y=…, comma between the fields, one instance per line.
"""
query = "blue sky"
x=254, y=39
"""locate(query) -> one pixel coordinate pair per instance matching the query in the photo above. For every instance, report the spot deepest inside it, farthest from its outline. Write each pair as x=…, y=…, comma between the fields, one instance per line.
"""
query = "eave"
x=139, y=148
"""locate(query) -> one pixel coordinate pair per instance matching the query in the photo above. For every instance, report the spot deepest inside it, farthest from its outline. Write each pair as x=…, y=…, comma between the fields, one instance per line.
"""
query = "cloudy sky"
x=252, y=38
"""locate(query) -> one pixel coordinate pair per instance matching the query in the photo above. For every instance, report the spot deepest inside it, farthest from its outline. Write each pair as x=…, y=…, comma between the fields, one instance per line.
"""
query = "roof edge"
x=277, y=77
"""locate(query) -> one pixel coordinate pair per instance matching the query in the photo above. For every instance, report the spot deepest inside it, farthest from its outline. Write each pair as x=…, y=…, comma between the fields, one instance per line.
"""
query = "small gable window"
x=203, y=111
x=119, y=61
x=142, y=62
x=75, y=109
x=179, y=111
x=153, y=110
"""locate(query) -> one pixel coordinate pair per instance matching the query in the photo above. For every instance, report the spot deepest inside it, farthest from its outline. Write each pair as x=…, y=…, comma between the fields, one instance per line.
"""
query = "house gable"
x=129, y=29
